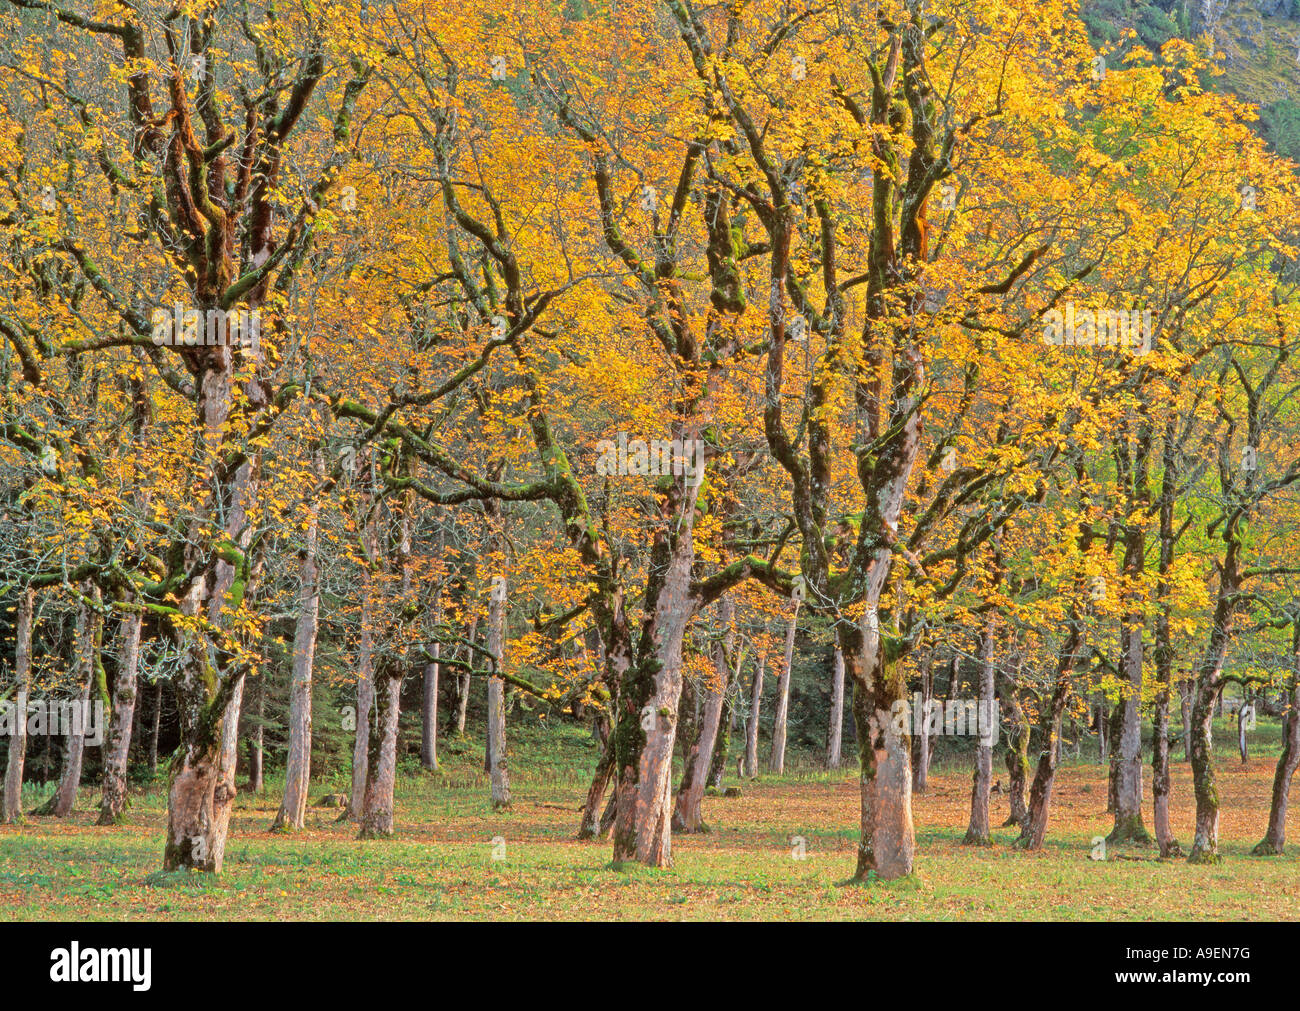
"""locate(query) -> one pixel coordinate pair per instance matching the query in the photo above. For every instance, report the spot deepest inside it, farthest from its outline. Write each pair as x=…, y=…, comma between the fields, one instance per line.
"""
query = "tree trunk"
x=1209, y=689
x=1243, y=714
x=1185, y=696
x=381, y=760
x=11, y=802
x=156, y=718
x=1017, y=725
x=647, y=727
x=113, y=802
x=297, y=774
x=887, y=845
x=256, y=741
x=776, y=761
x=751, y=728
x=688, y=813
x=463, y=683
x=835, y=736
x=722, y=747
x=977, y=831
x=496, y=700
x=921, y=746
x=1160, y=780
x=1128, y=825
x=589, y=824
x=87, y=647
x=1275, y=838
x=429, y=713
x=1034, y=828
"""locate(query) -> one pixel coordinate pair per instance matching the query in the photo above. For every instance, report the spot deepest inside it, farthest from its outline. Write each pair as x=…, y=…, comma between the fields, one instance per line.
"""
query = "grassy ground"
x=441, y=865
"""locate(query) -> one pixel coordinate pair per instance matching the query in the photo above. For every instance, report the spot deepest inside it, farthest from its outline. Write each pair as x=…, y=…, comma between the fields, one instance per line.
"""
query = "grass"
x=441, y=864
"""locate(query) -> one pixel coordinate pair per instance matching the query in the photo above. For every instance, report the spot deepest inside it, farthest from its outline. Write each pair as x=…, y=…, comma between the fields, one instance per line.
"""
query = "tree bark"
x=381, y=761
x=688, y=813
x=1209, y=689
x=87, y=650
x=589, y=824
x=751, y=727
x=977, y=831
x=496, y=699
x=113, y=802
x=463, y=685
x=154, y=726
x=647, y=728
x=297, y=775
x=1017, y=759
x=1034, y=828
x=11, y=805
x=887, y=844
x=780, y=723
x=1128, y=826
x=835, y=736
x=429, y=712
x=256, y=740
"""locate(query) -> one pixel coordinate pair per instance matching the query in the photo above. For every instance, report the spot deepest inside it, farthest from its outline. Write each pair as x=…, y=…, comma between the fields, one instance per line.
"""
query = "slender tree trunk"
x=1243, y=714
x=1103, y=735
x=589, y=824
x=496, y=701
x=835, y=736
x=463, y=684
x=1160, y=779
x=977, y=831
x=113, y=802
x=1034, y=828
x=780, y=724
x=1185, y=697
x=256, y=740
x=87, y=646
x=429, y=728
x=366, y=721
x=921, y=745
x=297, y=774
x=1017, y=726
x=688, y=815
x=751, y=728
x=722, y=746
x=154, y=726
x=1209, y=689
x=1128, y=825
x=11, y=805
x=1274, y=840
